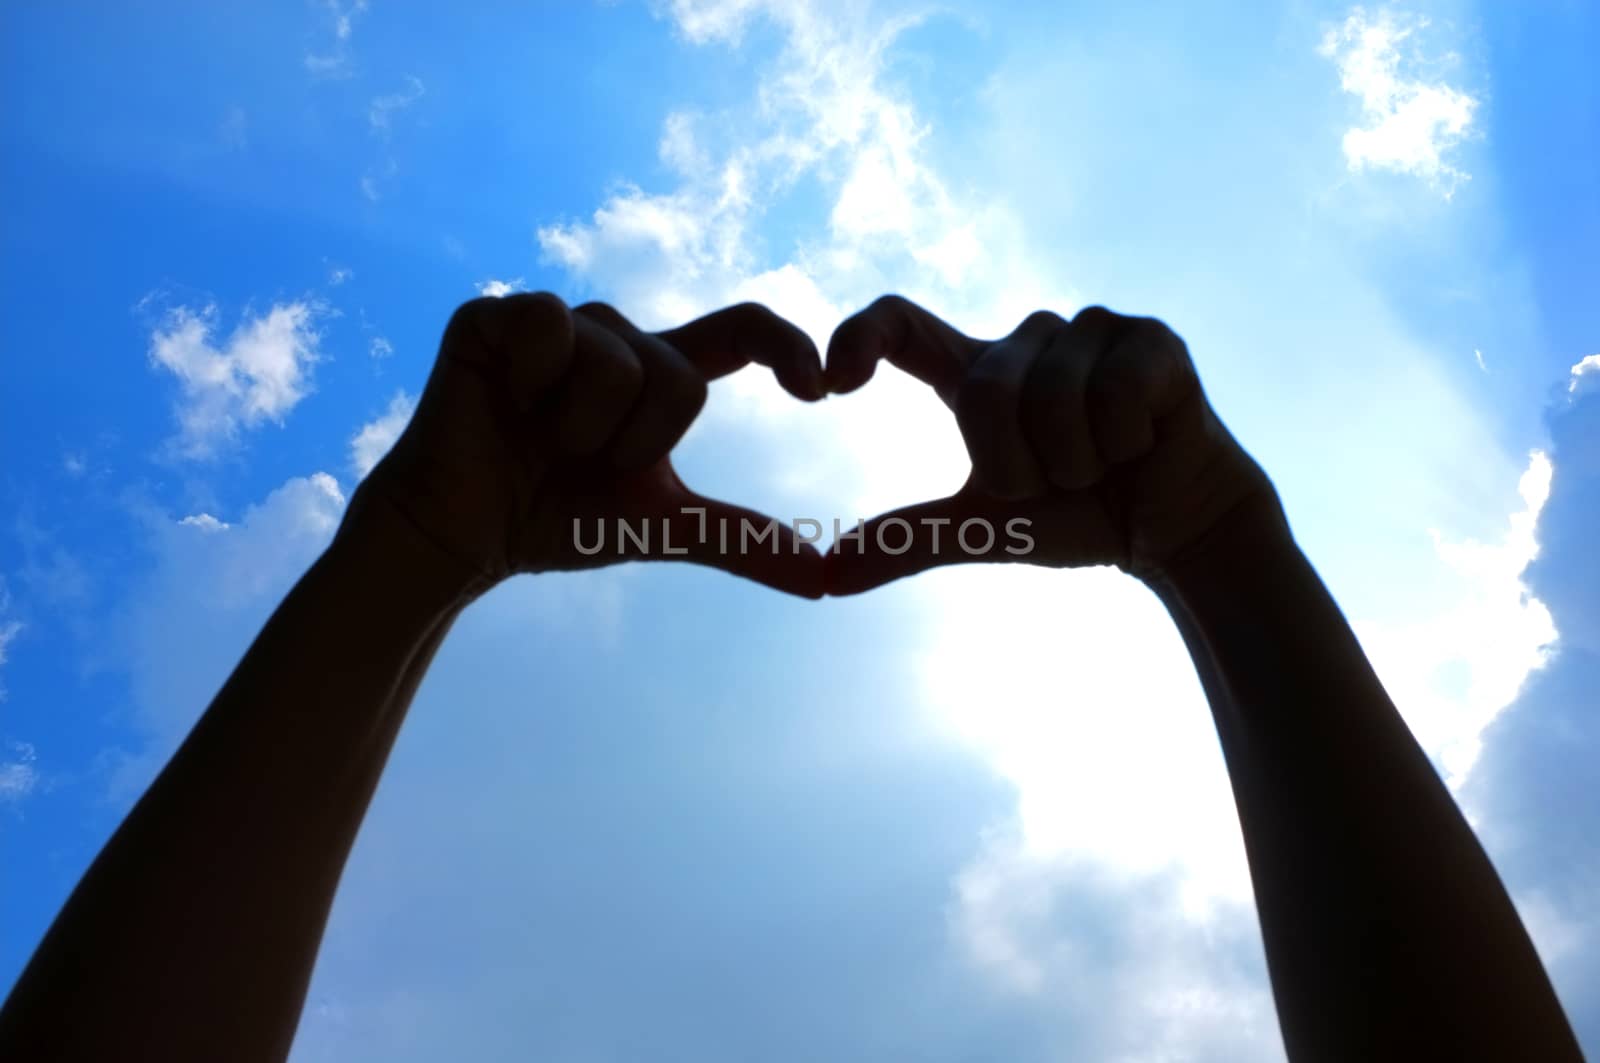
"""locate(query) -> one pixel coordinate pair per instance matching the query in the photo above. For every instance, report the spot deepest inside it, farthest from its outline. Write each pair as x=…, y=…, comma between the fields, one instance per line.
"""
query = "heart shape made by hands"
x=1091, y=444
x=542, y=429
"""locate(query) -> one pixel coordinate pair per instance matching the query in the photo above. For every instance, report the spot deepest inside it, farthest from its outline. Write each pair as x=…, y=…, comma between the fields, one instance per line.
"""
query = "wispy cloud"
x=18, y=776
x=334, y=61
x=499, y=288
x=205, y=522
x=1410, y=123
x=259, y=373
x=381, y=114
x=10, y=628
x=383, y=108
x=1588, y=366
x=189, y=616
x=373, y=439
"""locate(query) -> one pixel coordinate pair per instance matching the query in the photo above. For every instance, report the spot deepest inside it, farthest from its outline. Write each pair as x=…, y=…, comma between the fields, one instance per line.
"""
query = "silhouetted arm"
x=194, y=933
x=1388, y=933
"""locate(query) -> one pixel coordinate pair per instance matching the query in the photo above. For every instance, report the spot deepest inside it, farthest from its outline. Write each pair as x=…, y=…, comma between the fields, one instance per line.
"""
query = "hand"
x=536, y=417
x=1094, y=431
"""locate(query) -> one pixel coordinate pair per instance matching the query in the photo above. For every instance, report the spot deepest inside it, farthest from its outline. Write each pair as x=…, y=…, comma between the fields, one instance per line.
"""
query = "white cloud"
x=1096, y=758
x=230, y=555
x=380, y=118
x=205, y=522
x=335, y=63
x=498, y=288
x=258, y=374
x=383, y=108
x=1410, y=124
x=380, y=347
x=1452, y=673
x=10, y=628
x=338, y=275
x=819, y=110
x=18, y=776
x=679, y=148
x=373, y=440
x=1589, y=365
x=209, y=589
x=1155, y=986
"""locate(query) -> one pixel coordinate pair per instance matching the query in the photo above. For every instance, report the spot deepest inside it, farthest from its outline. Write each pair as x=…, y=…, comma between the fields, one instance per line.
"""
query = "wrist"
x=378, y=530
x=1241, y=548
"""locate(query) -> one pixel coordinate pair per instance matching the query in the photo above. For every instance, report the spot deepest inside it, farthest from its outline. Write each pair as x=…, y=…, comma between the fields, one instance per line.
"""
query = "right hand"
x=536, y=417
x=1095, y=431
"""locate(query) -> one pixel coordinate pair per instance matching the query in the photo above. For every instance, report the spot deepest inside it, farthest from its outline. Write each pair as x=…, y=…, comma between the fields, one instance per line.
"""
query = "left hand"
x=1092, y=437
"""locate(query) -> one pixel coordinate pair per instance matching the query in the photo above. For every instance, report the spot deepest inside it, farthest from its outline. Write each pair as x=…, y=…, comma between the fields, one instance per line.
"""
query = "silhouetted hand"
x=1095, y=431
x=536, y=416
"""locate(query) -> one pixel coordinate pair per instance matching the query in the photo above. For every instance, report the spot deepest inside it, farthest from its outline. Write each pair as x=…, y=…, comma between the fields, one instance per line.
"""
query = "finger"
x=600, y=388
x=1054, y=414
x=909, y=337
x=673, y=394
x=1143, y=376
x=970, y=527
x=744, y=542
x=893, y=545
x=963, y=528
x=521, y=344
x=730, y=339
x=988, y=408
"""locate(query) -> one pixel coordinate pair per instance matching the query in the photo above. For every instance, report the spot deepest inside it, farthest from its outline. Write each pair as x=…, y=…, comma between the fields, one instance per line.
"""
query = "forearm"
x=1388, y=933
x=194, y=933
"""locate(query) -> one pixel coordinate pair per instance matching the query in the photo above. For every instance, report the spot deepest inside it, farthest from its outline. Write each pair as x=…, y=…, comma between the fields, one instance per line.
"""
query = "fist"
x=540, y=420
x=1094, y=432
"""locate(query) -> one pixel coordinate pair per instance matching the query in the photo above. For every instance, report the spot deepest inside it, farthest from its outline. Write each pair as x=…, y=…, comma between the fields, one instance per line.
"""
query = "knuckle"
x=604, y=313
x=1097, y=317
x=543, y=315
x=1042, y=319
x=474, y=326
x=472, y=312
x=889, y=302
x=541, y=303
x=1150, y=330
x=1155, y=335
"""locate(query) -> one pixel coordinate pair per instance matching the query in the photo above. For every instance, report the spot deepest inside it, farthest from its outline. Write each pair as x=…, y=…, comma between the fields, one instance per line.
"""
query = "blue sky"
x=653, y=810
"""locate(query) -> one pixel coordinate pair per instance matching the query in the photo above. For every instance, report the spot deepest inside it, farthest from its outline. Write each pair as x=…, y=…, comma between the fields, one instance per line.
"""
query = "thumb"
x=1056, y=529
x=744, y=542
x=901, y=542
